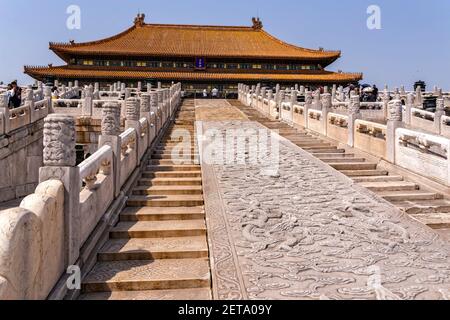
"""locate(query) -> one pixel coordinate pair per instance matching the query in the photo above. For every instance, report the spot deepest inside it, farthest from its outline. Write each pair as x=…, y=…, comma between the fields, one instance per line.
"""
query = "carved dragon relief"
x=305, y=234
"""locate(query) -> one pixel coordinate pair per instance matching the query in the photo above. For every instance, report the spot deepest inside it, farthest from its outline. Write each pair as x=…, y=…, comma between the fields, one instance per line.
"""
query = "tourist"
x=375, y=92
x=16, y=96
x=215, y=93
x=10, y=94
x=205, y=94
x=55, y=93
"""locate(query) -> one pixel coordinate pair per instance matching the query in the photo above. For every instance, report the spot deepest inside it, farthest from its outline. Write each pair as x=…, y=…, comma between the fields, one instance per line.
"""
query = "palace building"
x=198, y=56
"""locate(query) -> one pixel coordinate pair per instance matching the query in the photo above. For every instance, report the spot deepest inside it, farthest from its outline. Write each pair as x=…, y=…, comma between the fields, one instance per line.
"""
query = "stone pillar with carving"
x=145, y=105
x=419, y=97
x=111, y=136
x=440, y=112
x=308, y=105
x=394, y=121
x=96, y=91
x=281, y=99
x=409, y=105
x=159, y=110
x=88, y=102
x=293, y=102
x=154, y=110
x=133, y=115
x=326, y=101
x=354, y=114
x=317, y=103
x=60, y=164
x=386, y=98
x=5, y=125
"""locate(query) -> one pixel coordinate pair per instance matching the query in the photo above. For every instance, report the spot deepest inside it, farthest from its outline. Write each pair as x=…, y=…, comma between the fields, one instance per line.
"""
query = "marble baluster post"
x=408, y=108
x=394, y=121
x=133, y=115
x=308, y=105
x=145, y=112
x=60, y=164
x=354, y=114
x=440, y=112
x=326, y=100
x=111, y=136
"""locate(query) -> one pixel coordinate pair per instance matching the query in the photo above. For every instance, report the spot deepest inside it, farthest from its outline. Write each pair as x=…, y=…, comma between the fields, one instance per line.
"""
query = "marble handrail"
x=99, y=163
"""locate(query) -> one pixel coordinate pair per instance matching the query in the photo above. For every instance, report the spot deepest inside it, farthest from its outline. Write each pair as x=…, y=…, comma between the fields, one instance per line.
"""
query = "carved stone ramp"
x=426, y=206
x=159, y=250
x=310, y=232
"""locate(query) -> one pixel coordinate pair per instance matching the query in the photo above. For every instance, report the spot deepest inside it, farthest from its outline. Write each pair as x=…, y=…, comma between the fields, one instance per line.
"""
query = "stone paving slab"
x=311, y=233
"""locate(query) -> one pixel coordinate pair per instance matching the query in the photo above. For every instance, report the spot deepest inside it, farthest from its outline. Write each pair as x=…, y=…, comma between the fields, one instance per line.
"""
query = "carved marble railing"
x=74, y=207
x=371, y=137
x=337, y=127
x=30, y=112
x=422, y=148
x=315, y=122
x=421, y=152
x=97, y=188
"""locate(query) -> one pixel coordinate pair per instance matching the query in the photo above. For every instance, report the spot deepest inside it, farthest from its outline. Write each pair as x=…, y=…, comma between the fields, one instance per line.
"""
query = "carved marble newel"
x=353, y=115
x=394, y=121
x=60, y=164
x=111, y=119
x=132, y=109
x=145, y=104
x=395, y=110
x=59, y=141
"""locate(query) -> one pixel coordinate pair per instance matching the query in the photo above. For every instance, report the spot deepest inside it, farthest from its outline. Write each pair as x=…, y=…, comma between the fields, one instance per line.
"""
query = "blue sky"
x=413, y=44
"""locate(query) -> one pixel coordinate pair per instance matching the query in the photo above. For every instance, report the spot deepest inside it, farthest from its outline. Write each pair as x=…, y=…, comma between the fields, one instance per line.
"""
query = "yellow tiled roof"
x=194, y=41
x=67, y=72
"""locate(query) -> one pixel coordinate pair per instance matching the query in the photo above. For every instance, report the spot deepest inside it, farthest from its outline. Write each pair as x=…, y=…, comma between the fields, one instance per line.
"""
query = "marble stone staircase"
x=159, y=248
x=427, y=206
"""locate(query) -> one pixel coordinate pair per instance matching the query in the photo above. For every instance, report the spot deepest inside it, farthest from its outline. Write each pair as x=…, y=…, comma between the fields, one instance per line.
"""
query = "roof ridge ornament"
x=257, y=23
x=139, y=21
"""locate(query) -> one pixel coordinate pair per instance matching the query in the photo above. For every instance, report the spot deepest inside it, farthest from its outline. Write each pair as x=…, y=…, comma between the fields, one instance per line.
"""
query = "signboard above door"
x=200, y=64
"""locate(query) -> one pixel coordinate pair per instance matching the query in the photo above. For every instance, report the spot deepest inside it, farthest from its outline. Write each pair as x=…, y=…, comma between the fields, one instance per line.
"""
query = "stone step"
x=334, y=155
x=169, y=156
x=353, y=166
x=327, y=151
x=167, y=162
x=343, y=160
x=171, y=174
x=131, y=214
x=166, y=201
x=170, y=182
x=378, y=179
x=162, y=151
x=297, y=136
x=423, y=206
x=194, y=294
x=321, y=149
x=364, y=173
x=158, y=229
x=312, y=144
x=173, y=144
x=148, y=275
x=390, y=186
x=167, y=190
x=409, y=195
x=173, y=168
x=437, y=220
x=153, y=249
